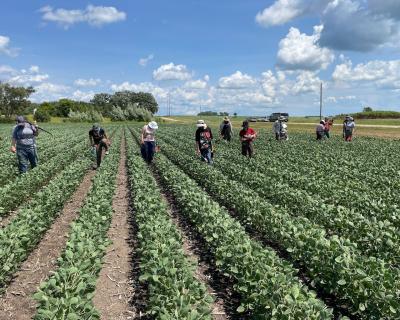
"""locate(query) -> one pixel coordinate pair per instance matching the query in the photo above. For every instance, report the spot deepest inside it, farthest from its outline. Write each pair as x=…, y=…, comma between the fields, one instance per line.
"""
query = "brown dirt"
x=218, y=312
x=7, y=219
x=17, y=302
x=114, y=287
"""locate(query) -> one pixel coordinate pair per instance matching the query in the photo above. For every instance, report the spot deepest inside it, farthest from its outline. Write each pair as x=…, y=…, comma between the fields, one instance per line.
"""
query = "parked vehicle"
x=275, y=116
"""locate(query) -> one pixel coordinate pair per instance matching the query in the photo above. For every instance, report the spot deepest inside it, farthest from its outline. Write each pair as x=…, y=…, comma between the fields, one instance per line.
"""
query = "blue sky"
x=250, y=57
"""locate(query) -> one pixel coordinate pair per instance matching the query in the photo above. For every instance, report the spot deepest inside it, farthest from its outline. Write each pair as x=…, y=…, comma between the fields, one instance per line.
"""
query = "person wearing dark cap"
x=247, y=136
x=23, y=143
x=98, y=140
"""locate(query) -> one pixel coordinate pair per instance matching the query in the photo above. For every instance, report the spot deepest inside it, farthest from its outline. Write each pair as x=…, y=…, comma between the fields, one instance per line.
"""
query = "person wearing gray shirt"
x=24, y=145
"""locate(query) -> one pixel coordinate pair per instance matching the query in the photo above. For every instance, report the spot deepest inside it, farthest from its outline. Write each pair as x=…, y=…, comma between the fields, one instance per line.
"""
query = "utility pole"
x=320, y=103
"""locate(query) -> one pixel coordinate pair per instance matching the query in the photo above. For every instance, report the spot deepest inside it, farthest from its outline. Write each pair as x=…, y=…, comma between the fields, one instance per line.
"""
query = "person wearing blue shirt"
x=24, y=145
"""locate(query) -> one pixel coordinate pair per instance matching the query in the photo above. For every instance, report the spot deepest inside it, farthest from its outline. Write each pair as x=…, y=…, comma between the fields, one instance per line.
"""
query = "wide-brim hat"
x=200, y=123
x=226, y=118
x=153, y=125
x=281, y=118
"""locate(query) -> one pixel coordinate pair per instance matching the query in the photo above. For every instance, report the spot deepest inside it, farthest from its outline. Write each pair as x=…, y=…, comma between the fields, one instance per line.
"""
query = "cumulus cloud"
x=93, y=15
x=306, y=82
x=383, y=74
x=348, y=25
x=237, y=80
x=196, y=84
x=87, y=82
x=157, y=91
x=82, y=96
x=144, y=61
x=284, y=11
x=298, y=51
x=390, y=8
x=25, y=78
x=172, y=72
x=4, y=69
x=5, y=47
x=49, y=92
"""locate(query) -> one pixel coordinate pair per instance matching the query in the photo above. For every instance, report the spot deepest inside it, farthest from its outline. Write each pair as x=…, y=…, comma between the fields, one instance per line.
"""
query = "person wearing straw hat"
x=348, y=128
x=225, y=129
x=23, y=143
x=148, y=141
x=203, y=138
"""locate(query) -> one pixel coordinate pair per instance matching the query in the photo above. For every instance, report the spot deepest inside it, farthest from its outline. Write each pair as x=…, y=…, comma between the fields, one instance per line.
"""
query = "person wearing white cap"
x=203, y=139
x=225, y=129
x=348, y=128
x=148, y=141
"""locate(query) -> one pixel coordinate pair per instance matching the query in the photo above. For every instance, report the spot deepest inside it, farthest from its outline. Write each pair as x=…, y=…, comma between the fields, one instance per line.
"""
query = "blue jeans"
x=147, y=149
x=25, y=156
x=206, y=155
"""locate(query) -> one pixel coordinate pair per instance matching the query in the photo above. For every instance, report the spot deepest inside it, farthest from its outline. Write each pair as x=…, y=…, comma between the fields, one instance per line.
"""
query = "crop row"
x=19, y=190
x=372, y=237
x=267, y=285
x=23, y=233
x=68, y=293
x=367, y=285
x=174, y=292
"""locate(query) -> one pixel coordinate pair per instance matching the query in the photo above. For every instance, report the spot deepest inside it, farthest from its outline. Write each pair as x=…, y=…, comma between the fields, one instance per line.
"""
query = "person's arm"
x=91, y=141
x=142, y=136
x=13, y=148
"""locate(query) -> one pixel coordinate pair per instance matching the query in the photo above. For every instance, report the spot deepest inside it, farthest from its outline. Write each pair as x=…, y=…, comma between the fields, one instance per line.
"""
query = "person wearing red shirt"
x=247, y=136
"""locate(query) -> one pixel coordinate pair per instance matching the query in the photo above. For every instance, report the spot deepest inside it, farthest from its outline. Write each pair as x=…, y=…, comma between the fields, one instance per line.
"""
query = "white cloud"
x=5, y=47
x=144, y=61
x=93, y=15
x=238, y=80
x=4, y=69
x=196, y=84
x=298, y=51
x=157, y=91
x=306, y=82
x=172, y=72
x=34, y=69
x=383, y=74
x=49, y=92
x=283, y=11
x=82, y=96
x=87, y=82
x=28, y=79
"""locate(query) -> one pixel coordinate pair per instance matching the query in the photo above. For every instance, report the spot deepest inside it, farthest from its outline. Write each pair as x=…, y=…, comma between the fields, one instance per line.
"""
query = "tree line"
x=120, y=106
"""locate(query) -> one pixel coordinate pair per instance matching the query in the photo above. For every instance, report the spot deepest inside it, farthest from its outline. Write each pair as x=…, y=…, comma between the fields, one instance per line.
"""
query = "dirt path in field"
x=217, y=285
x=114, y=288
x=17, y=303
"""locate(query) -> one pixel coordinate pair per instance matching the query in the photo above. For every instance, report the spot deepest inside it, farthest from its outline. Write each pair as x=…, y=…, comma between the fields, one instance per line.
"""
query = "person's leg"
x=250, y=150
x=276, y=135
x=105, y=145
x=99, y=151
x=327, y=134
x=150, y=146
x=22, y=160
x=244, y=149
x=32, y=157
x=209, y=156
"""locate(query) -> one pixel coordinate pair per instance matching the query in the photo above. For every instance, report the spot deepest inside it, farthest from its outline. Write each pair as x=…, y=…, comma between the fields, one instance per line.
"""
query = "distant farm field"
x=304, y=230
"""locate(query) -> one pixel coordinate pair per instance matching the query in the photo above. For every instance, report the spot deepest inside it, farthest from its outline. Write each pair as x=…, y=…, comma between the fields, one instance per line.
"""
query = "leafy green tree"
x=14, y=100
x=42, y=115
x=367, y=109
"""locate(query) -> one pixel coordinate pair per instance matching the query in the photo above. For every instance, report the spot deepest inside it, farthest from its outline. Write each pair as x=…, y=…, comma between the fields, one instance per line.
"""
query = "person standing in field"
x=280, y=129
x=328, y=126
x=98, y=140
x=247, y=137
x=320, y=130
x=148, y=141
x=23, y=143
x=348, y=128
x=225, y=129
x=203, y=144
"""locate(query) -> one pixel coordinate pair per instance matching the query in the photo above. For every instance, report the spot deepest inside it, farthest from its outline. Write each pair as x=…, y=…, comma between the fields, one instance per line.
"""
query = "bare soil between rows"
x=17, y=302
x=114, y=288
x=219, y=286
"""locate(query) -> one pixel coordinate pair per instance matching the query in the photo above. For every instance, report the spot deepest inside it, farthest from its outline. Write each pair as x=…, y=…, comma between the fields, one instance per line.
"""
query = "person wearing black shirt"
x=98, y=140
x=204, y=141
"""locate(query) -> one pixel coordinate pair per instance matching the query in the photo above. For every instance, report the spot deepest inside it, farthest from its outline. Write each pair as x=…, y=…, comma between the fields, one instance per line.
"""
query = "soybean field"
x=304, y=230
